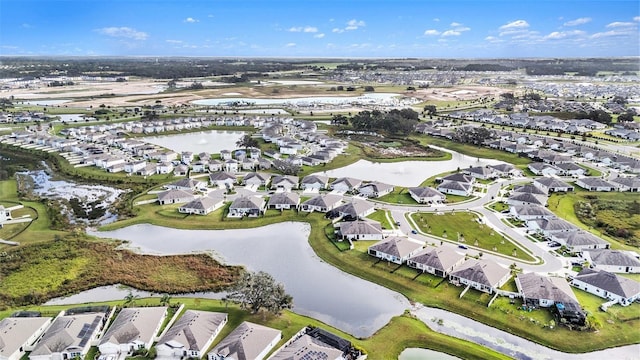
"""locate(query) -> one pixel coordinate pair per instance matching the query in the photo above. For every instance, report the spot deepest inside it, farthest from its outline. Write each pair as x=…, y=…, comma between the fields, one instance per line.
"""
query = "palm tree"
x=165, y=300
x=130, y=299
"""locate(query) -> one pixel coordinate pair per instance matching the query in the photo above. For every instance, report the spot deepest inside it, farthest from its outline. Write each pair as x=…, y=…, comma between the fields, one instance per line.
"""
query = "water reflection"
x=204, y=141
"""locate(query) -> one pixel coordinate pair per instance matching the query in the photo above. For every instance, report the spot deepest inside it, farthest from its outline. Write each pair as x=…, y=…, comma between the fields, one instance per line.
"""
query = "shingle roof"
x=194, y=329
x=632, y=182
x=360, y=227
x=246, y=341
x=528, y=188
x=532, y=210
x=354, y=208
x=307, y=348
x=175, y=194
x=221, y=175
x=612, y=257
x=377, y=186
x=247, y=202
x=441, y=258
x=311, y=179
x=610, y=282
x=323, y=200
x=534, y=286
x=65, y=332
x=455, y=185
x=134, y=324
x=527, y=198
x=552, y=183
x=553, y=224
x=580, y=238
x=423, y=192
x=458, y=177
x=396, y=246
x=288, y=198
x=483, y=272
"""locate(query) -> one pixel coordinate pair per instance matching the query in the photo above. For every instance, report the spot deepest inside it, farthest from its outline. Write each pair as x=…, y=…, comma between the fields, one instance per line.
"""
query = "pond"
x=319, y=290
x=406, y=173
x=45, y=102
x=371, y=98
x=204, y=141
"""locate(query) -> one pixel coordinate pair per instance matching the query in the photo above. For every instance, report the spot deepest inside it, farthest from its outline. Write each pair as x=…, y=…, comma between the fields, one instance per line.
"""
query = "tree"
x=247, y=142
x=256, y=291
x=130, y=299
x=339, y=120
x=430, y=109
x=165, y=300
x=369, y=88
x=626, y=117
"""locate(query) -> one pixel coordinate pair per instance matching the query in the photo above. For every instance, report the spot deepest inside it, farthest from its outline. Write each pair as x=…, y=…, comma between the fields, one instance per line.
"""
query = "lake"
x=204, y=141
x=319, y=290
x=371, y=98
x=424, y=354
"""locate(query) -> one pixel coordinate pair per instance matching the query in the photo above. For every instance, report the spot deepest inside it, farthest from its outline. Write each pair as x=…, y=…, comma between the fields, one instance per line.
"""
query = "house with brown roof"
x=544, y=291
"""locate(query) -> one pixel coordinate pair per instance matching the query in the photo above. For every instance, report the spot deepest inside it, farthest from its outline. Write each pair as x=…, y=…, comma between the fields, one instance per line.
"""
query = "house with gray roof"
x=455, y=188
x=321, y=203
x=360, y=230
x=530, y=212
x=426, y=195
x=307, y=347
x=459, y=177
x=616, y=261
x=505, y=170
x=284, y=200
x=483, y=275
x=256, y=179
x=191, y=335
x=205, y=204
x=251, y=206
x=395, y=249
x=286, y=182
x=526, y=199
x=631, y=184
x=579, y=240
x=248, y=341
x=528, y=188
x=481, y=172
x=571, y=169
x=375, y=189
x=345, y=184
x=549, y=226
x=132, y=329
x=314, y=182
x=175, y=197
x=438, y=261
x=68, y=337
x=595, y=184
x=607, y=285
x=222, y=180
x=544, y=291
x=354, y=209
x=549, y=185
x=540, y=168
x=19, y=333
x=187, y=184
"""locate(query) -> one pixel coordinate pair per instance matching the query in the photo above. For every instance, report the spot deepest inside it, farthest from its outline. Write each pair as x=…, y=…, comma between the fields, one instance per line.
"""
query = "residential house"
x=186, y=157
x=321, y=203
x=5, y=214
x=607, y=285
x=222, y=180
x=285, y=182
x=360, y=230
x=549, y=185
x=191, y=335
x=459, y=177
x=549, y=226
x=616, y=261
x=579, y=240
x=133, y=329
x=248, y=341
x=543, y=169
x=426, y=195
x=571, y=169
x=438, y=261
x=506, y=170
x=455, y=188
x=284, y=200
x=231, y=165
x=314, y=182
x=481, y=172
x=251, y=206
x=544, y=291
x=256, y=179
x=483, y=275
x=595, y=184
x=68, y=337
x=530, y=212
x=204, y=205
x=519, y=199
x=164, y=168
x=314, y=343
x=345, y=184
x=631, y=184
x=19, y=333
x=529, y=188
x=175, y=197
x=395, y=249
x=215, y=165
x=355, y=209
x=134, y=166
x=187, y=185
x=181, y=170
x=375, y=189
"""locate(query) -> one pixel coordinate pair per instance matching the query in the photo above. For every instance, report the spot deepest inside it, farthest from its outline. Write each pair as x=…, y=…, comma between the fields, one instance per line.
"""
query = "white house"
x=251, y=206
x=544, y=291
x=204, y=205
x=345, y=184
x=17, y=334
x=248, y=341
x=595, y=184
x=616, y=261
x=321, y=203
x=395, y=249
x=455, y=188
x=284, y=200
x=579, y=240
x=483, y=275
x=426, y=195
x=222, y=180
x=375, y=189
x=314, y=182
x=68, y=337
x=132, y=329
x=607, y=286
x=360, y=230
x=175, y=197
x=191, y=335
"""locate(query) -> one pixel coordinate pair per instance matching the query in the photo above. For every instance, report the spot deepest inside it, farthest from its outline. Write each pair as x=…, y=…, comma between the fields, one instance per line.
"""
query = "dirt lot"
x=458, y=93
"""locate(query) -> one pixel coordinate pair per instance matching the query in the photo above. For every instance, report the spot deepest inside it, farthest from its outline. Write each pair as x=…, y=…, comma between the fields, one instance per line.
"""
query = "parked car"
x=414, y=231
x=462, y=247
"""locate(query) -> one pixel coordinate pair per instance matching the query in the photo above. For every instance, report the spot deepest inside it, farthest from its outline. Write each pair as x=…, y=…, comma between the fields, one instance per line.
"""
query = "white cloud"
x=123, y=32
x=578, y=21
x=455, y=24
x=556, y=35
x=636, y=18
x=191, y=20
x=337, y=30
x=462, y=28
x=493, y=39
x=174, y=41
x=619, y=24
x=306, y=29
x=617, y=32
x=318, y=36
x=436, y=19
x=354, y=24
x=451, y=33
x=518, y=24
x=431, y=32
x=291, y=44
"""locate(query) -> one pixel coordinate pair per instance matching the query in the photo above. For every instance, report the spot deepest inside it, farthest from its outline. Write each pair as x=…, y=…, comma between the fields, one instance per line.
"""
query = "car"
x=414, y=231
x=397, y=223
x=462, y=247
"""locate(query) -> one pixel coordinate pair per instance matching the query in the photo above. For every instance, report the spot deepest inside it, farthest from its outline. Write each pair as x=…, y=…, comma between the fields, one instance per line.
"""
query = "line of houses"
x=188, y=334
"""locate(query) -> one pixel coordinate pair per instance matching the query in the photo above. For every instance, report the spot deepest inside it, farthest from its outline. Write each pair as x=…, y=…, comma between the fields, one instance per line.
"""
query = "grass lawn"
x=399, y=195
x=591, y=171
x=381, y=216
x=499, y=206
x=463, y=227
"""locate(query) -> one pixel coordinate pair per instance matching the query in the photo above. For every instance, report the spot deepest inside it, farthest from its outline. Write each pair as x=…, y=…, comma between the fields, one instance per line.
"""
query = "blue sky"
x=329, y=28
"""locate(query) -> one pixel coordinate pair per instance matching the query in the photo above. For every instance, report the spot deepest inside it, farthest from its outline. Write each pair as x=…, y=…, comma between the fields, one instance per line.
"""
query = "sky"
x=329, y=28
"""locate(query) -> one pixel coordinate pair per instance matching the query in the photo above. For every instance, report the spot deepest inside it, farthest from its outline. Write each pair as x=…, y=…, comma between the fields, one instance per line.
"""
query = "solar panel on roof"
x=87, y=331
